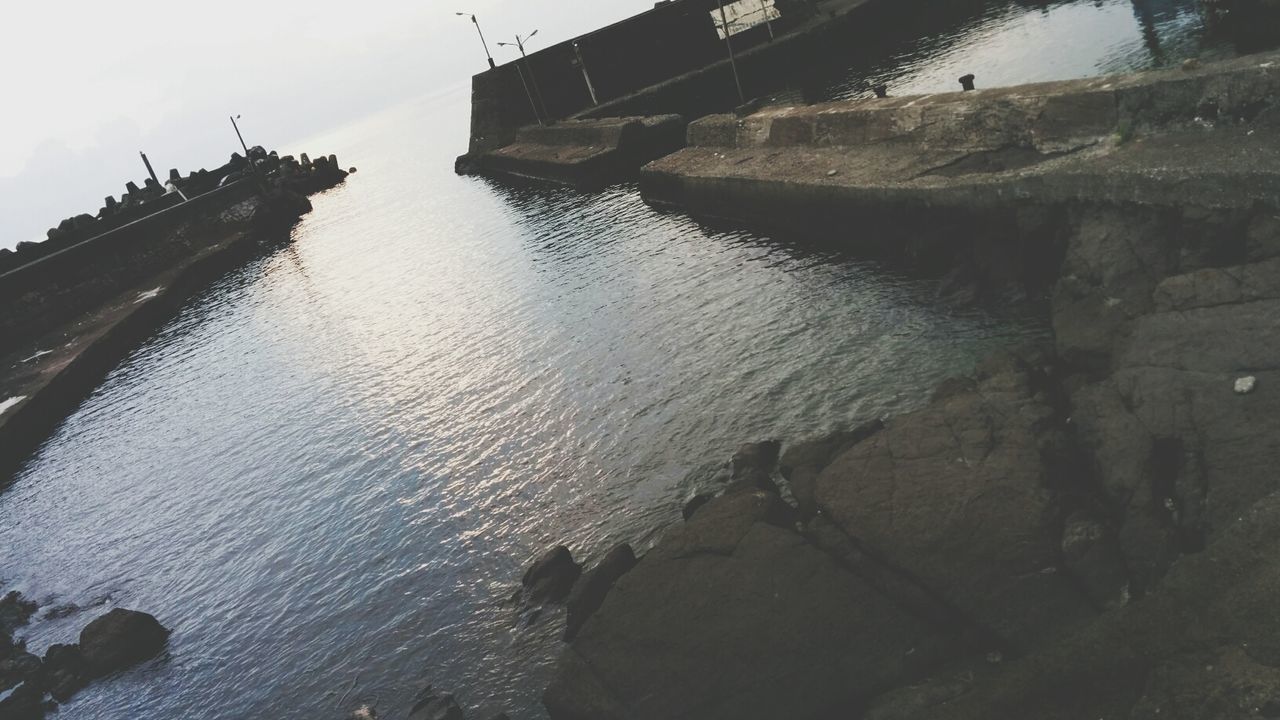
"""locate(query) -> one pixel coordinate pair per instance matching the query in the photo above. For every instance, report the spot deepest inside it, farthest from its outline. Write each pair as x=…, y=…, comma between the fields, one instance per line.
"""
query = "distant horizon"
x=168, y=91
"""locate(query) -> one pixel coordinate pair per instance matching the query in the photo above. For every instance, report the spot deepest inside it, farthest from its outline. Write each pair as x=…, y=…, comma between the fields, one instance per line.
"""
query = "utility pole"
x=733, y=63
x=585, y=76
x=537, y=115
x=238, y=135
x=150, y=171
x=253, y=167
x=519, y=43
x=475, y=22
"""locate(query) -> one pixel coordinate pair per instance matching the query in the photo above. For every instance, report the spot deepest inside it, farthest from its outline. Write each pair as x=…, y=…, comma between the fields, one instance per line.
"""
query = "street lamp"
x=577, y=51
x=519, y=43
x=482, y=42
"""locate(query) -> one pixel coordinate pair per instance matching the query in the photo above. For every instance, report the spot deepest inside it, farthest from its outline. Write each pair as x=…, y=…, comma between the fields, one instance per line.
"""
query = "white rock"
x=1245, y=385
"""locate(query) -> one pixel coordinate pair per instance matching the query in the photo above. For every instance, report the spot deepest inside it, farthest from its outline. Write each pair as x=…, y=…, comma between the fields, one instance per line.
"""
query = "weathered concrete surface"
x=1112, y=140
x=582, y=153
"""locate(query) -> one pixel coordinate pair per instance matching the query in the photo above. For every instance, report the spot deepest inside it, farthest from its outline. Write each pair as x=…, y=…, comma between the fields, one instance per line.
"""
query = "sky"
x=88, y=84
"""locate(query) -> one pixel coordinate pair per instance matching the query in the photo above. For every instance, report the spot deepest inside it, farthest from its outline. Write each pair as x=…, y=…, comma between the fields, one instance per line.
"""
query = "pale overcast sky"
x=87, y=84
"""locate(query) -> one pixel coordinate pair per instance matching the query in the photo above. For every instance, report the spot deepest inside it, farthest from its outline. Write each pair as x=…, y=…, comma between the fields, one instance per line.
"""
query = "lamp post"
x=519, y=43
x=482, y=42
x=253, y=167
x=590, y=88
x=733, y=63
x=237, y=127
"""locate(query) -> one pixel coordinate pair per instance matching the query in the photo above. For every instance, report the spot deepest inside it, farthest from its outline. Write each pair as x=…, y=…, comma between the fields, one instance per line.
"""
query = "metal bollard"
x=966, y=82
x=881, y=91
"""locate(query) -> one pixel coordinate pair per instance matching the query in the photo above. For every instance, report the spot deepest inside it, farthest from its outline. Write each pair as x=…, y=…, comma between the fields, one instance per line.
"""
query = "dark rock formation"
x=430, y=706
x=551, y=576
x=961, y=495
x=14, y=612
x=731, y=616
x=26, y=702
x=589, y=593
x=1091, y=553
x=802, y=462
x=120, y=639
x=63, y=672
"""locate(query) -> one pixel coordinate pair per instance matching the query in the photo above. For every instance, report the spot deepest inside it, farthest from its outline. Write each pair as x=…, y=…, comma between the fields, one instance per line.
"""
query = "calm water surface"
x=327, y=473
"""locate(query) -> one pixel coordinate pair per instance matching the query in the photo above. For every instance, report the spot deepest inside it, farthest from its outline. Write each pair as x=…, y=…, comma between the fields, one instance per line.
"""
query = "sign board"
x=744, y=15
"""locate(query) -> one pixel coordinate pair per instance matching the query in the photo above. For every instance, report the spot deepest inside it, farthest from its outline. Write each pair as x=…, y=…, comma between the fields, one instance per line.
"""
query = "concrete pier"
x=582, y=153
x=1205, y=136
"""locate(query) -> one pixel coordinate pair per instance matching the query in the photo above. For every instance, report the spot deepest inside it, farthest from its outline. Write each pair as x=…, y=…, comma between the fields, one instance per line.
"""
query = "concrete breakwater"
x=1086, y=529
x=667, y=61
x=71, y=315
x=582, y=153
x=989, y=184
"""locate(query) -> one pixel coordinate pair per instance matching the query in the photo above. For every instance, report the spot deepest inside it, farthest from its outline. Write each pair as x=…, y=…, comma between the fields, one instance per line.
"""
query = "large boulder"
x=430, y=706
x=964, y=496
x=802, y=462
x=551, y=577
x=589, y=593
x=63, y=672
x=120, y=639
x=732, y=616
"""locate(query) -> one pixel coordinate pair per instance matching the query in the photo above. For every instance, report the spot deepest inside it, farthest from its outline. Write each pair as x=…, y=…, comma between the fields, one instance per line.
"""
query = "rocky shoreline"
x=31, y=686
x=1083, y=530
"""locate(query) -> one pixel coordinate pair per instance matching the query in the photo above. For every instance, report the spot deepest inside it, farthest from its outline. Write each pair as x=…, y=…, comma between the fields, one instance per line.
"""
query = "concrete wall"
x=672, y=39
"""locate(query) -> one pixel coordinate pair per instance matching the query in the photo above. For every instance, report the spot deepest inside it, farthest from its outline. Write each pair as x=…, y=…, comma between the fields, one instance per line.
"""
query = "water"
x=327, y=473
x=1008, y=43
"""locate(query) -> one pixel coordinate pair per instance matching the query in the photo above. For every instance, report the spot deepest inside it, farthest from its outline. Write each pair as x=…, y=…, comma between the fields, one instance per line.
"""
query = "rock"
x=802, y=462
x=962, y=497
x=759, y=457
x=16, y=666
x=1174, y=449
x=19, y=663
x=120, y=639
x=1091, y=553
x=26, y=702
x=694, y=503
x=1191, y=64
x=15, y=612
x=917, y=700
x=1245, y=385
x=1203, y=645
x=1113, y=261
x=710, y=623
x=551, y=576
x=589, y=593
x=63, y=672
x=432, y=707
x=352, y=170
